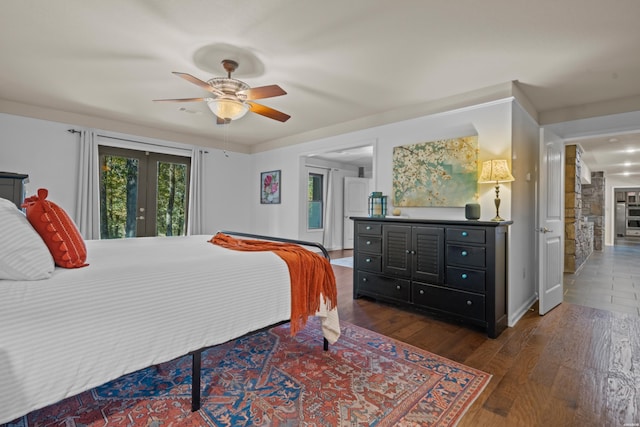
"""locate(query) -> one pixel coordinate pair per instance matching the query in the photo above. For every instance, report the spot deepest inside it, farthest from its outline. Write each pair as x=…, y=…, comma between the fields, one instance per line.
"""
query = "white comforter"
x=140, y=302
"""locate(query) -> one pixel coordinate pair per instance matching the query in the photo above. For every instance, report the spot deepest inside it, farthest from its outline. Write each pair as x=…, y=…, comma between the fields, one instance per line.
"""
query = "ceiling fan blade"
x=268, y=112
x=182, y=100
x=196, y=81
x=262, y=92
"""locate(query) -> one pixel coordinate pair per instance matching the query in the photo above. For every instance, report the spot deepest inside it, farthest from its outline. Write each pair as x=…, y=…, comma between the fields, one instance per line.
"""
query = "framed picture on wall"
x=270, y=187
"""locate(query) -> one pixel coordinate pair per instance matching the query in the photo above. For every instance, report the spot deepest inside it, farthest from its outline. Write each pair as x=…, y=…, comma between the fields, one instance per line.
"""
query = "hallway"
x=609, y=280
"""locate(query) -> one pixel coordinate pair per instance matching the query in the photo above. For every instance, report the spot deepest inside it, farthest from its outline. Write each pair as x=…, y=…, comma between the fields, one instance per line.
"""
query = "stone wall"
x=593, y=207
x=578, y=233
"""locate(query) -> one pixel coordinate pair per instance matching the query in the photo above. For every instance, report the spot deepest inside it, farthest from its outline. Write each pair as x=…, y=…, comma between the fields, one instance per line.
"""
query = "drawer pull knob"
x=464, y=253
x=368, y=242
x=368, y=260
x=368, y=227
x=398, y=287
x=364, y=279
x=464, y=275
x=421, y=291
x=469, y=302
x=464, y=234
x=408, y=251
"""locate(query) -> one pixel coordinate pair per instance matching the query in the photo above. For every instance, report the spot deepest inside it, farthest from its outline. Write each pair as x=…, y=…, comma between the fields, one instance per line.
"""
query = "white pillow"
x=23, y=253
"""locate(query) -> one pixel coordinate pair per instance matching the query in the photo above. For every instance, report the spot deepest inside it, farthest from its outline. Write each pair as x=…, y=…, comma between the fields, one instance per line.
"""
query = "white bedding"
x=140, y=302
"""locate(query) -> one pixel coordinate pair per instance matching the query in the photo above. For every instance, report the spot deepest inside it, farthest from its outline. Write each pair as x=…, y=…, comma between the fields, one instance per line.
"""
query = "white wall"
x=523, y=267
x=46, y=152
x=49, y=155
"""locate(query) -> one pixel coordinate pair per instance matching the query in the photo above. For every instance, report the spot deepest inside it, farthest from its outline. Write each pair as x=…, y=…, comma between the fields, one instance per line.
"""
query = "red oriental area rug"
x=270, y=378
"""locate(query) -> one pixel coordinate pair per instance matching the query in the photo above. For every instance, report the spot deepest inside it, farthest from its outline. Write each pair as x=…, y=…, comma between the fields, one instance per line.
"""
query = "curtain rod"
x=137, y=142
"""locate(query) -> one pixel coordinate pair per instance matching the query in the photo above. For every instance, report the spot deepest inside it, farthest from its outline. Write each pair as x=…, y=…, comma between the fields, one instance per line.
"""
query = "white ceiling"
x=343, y=63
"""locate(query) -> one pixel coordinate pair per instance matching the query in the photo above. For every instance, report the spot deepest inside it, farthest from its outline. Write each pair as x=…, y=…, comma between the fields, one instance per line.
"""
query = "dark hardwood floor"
x=575, y=366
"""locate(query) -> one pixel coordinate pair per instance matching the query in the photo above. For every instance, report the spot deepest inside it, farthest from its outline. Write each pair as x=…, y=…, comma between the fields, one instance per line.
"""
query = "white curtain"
x=196, y=193
x=327, y=238
x=88, y=201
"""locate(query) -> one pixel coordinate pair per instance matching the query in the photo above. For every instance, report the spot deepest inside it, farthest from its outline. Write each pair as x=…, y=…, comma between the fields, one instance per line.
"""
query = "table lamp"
x=495, y=171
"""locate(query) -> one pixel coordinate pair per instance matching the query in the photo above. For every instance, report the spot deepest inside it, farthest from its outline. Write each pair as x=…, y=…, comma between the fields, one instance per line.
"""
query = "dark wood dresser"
x=454, y=268
x=12, y=187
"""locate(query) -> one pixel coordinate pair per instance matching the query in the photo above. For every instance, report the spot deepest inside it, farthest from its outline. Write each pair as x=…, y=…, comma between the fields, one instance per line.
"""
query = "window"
x=315, y=202
x=142, y=193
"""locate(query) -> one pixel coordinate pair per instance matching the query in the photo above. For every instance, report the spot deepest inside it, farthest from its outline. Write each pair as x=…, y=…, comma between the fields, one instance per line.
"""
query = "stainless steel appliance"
x=621, y=219
x=633, y=219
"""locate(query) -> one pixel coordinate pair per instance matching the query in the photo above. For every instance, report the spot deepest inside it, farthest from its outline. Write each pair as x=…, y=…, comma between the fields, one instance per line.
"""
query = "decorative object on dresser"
x=12, y=187
x=377, y=205
x=495, y=171
x=472, y=211
x=454, y=268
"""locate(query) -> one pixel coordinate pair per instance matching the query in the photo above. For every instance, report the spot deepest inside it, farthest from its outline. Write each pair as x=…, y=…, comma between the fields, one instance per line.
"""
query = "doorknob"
x=545, y=230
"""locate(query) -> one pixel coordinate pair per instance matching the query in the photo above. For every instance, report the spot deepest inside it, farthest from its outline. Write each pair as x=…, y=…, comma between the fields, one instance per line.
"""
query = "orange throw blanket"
x=311, y=275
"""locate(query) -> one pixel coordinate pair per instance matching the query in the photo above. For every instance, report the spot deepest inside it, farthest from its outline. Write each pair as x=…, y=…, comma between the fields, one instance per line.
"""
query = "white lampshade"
x=495, y=171
x=228, y=109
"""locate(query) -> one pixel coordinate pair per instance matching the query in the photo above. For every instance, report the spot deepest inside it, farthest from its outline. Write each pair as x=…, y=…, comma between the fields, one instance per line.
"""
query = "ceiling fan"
x=232, y=97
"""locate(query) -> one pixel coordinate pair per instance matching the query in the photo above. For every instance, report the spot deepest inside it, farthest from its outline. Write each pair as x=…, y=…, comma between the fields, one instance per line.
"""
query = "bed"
x=138, y=303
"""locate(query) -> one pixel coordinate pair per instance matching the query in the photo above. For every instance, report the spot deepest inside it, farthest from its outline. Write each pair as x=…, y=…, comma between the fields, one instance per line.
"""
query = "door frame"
x=146, y=203
x=305, y=161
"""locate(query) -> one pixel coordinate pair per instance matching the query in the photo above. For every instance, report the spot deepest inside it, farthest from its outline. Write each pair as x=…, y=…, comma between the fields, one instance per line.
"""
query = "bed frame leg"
x=195, y=380
x=326, y=345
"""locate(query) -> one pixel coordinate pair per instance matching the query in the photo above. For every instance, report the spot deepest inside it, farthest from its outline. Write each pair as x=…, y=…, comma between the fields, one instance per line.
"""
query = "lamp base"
x=496, y=201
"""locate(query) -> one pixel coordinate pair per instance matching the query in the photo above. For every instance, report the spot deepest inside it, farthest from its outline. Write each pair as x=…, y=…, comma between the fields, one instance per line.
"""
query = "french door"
x=142, y=193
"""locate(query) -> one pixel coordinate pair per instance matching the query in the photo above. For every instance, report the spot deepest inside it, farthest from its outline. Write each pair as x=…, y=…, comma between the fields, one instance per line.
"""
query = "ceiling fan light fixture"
x=228, y=109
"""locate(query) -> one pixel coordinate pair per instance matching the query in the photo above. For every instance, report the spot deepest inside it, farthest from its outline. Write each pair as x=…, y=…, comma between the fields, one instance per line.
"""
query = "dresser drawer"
x=370, y=244
x=468, y=256
x=369, y=262
x=369, y=228
x=374, y=285
x=465, y=279
x=465, y=235
x=468, y=305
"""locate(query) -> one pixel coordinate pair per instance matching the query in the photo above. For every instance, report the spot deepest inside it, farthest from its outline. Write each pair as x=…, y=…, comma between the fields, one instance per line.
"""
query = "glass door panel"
x=119, y=184
x=171, y=204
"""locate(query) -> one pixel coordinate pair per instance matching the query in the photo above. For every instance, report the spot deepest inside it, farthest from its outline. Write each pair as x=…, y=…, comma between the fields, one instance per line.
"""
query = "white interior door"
x=551, y=221
x=356, y=198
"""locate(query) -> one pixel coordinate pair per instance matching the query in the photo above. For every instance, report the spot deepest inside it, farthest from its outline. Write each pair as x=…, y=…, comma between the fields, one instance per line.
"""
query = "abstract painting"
x=436, y=173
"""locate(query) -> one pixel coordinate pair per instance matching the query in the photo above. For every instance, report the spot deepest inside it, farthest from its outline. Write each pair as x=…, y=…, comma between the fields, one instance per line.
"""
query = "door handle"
x=545, y=230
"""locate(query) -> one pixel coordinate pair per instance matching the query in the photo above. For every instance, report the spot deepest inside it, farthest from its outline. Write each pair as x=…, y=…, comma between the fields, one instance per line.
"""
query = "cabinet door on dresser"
x=428, y=255
x=415, y=252
x=396, y=251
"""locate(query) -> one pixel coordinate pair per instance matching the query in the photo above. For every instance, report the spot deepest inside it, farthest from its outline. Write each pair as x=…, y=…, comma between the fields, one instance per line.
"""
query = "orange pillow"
x=57, y=230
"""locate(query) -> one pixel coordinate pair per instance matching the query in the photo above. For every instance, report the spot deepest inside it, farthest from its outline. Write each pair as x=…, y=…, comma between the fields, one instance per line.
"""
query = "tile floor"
x=609, y=280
